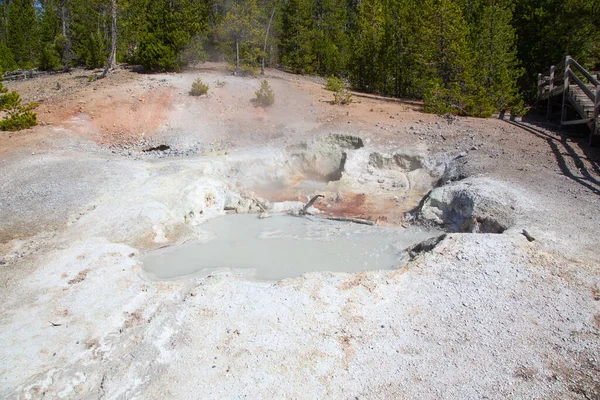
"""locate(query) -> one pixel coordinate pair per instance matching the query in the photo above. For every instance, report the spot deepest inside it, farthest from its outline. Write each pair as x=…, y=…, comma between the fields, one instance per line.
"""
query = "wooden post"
x=597, y=103
x=540, y=88
x=566, y=82
x=550, y=89
x=594, y=137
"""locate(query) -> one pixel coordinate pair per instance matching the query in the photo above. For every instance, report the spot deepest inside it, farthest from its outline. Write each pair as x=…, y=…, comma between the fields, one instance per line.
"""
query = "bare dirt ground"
x=131, y=163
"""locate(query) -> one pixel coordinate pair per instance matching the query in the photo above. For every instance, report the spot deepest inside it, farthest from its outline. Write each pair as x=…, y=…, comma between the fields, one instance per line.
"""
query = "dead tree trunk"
x=262, y=64
x=110, y=65
x=237, y=56
x=308, y=205
x=64, y=19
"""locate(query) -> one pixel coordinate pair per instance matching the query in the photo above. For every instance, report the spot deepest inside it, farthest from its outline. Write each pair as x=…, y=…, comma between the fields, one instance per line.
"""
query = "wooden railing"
x=560, y=79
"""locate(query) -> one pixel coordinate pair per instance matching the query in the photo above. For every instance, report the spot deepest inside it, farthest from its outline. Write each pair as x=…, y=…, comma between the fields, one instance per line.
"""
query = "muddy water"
x=284, y=247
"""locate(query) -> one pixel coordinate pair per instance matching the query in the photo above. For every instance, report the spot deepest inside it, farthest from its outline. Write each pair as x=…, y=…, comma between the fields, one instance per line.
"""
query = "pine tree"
x=400, y=48
x=7, y=61
x=90, y=32
x=548, y=30
x=22, y=33
x=296, y=36
x=498, y=70
x=449, y=61
x=50, y=40
x=366, y=59
x=168, y=31
x=241, y=34
x=330, y=38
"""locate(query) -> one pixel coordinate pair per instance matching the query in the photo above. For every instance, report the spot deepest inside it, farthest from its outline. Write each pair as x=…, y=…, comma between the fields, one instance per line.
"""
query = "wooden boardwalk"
x=582, y=95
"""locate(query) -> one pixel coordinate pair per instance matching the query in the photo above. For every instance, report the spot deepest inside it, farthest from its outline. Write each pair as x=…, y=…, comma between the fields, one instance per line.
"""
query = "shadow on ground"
x=565, y=144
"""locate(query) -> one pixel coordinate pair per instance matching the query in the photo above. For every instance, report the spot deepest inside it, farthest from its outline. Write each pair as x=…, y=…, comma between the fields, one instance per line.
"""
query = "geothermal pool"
x=284, y=246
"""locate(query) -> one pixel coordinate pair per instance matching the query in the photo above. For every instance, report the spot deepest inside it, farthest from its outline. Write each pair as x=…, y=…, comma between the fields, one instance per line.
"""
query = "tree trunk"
x=262, y=65
x=237, y=56
x=110, y=65
x=66, y=55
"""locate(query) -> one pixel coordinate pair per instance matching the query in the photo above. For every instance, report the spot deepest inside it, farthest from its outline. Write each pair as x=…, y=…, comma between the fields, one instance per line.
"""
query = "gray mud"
x=285, y=247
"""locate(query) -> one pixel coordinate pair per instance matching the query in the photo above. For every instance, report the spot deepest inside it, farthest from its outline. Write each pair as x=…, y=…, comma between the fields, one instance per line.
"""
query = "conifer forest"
x=469, y=57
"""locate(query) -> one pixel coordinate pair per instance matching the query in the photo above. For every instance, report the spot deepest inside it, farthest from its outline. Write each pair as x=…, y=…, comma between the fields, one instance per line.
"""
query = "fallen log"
x=353, y=220
x=308, y=205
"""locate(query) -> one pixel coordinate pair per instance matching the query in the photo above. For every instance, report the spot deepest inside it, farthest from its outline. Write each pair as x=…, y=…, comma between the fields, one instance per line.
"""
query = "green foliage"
x=314, y=36
x=462, y=56
x=493, y=41
x=341, y=93
x=249, y=70
x=49, y=59
x=548, y=30
x=264, y=95
x=342, y=97
x=154, y=55
x=241, y=36
x=61, y=45
x=199, y=88
x=296, y=45
x=22, y=32
x=335, y=84
x=18, y=116
x=170, y=33
x=93, y=50
x=440, y=100
x=49, y=23
x=220, y=84
x=89, y=30
x=193, y=52
x=7, y=61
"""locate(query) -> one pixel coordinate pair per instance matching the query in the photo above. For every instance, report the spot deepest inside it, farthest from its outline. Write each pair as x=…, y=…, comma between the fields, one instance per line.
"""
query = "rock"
x=264, y=215
x=425, y=246
x=286, y=206
x=265, y=205
x=323, y=159
x=471, y=205
x=232, y=201
x=2, y=261
x=244, y=206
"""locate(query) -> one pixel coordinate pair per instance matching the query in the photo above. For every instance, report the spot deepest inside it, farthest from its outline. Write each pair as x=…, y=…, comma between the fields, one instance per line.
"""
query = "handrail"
x=561, y=78
x=582, y=85
x=597, y=104
x=589, y=76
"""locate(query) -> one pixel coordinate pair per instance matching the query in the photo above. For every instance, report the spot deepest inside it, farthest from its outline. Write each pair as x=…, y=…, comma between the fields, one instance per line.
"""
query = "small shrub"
x=154, y=55
x=198, y=88
x=249, y=70
x=440, y=100
x=264, y=95
x=335, y=84
x=342, y=97
x=49, y=59
x=18, y=116
x=519, y=108
x=220, y=84
x=192, y=53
